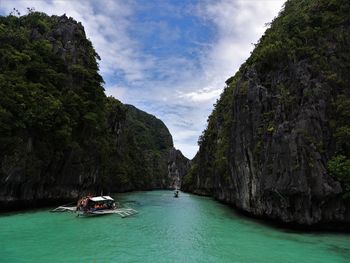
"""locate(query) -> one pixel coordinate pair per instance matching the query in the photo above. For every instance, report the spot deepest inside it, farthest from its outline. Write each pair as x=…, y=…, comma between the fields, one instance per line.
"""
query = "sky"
x=169, y=58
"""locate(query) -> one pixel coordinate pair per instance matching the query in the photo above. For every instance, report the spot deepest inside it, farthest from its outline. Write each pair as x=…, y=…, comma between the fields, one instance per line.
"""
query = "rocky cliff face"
x=178, y=167
x=60, y=136
x=51, y=105
x=144, y=157
x=276, y=145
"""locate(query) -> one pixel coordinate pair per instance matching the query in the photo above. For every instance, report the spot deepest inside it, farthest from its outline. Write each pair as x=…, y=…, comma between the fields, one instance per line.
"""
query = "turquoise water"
x=167, y=229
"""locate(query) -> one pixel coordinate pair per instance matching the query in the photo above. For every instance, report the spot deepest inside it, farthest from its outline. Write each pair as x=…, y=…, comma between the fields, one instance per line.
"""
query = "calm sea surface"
x=186, y=229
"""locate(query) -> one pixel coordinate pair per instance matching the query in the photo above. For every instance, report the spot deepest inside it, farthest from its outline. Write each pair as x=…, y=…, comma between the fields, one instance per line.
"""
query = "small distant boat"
x=176, y=193
x=96, y=205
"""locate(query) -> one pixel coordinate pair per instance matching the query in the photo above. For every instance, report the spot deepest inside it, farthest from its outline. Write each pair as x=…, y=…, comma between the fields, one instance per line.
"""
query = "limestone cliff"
x=144, y=157
x=277, y=142
x=178, y=167
x=60, y=136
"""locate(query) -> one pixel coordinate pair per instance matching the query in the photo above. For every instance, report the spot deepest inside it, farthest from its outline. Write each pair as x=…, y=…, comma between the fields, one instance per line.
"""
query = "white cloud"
x=180, y=90
x=107, y=24
x=117, y=91
x=187, y=149
x=202, y=95
x=238, y=25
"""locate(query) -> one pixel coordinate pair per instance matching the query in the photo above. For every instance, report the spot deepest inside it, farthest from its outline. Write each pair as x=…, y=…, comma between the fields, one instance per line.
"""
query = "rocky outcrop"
x=144, y=157
x=271, y=137
x=178, y=167
x=47, y=148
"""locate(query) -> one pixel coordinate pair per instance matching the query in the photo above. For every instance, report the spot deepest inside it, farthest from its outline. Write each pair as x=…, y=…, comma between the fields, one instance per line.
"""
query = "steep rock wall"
x=60, y=136
x=278, y=130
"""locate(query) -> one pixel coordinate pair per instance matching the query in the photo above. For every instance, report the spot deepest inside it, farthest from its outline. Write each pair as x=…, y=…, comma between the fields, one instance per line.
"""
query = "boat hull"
x=96, y=213
x=123, y=212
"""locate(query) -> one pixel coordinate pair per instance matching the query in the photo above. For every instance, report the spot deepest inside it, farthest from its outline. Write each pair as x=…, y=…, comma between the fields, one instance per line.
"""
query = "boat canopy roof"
x=101, y=198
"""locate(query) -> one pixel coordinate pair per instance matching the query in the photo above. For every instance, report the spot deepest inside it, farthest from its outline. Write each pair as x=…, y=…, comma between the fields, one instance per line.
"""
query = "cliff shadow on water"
x=288, y=227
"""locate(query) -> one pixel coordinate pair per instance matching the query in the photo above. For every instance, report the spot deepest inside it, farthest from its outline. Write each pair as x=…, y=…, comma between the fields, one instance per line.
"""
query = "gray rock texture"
x=276, y=126
x=103, y=145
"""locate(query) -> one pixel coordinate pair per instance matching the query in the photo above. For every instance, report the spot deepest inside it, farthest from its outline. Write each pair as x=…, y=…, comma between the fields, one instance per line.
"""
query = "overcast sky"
x=169, y=58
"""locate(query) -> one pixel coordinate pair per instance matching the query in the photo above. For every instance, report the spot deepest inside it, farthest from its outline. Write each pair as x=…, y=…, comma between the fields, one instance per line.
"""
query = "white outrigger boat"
x=96, y=205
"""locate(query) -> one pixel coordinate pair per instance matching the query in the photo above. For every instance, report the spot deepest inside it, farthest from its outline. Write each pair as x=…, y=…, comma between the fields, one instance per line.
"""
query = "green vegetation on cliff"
x=59, y=134
x=279, y=134
x=52, y=103
x=140, y=158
